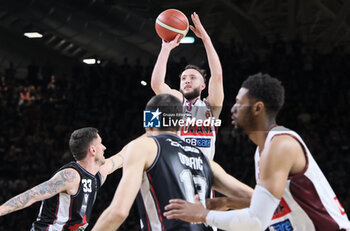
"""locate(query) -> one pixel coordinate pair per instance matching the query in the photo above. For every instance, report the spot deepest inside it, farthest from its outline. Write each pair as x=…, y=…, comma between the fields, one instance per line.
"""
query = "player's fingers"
x=194, y=30
x=179, y=201
x=177, y=39
x=192, y=17
x=173, y=206
x=172, y=214
x=195, y=21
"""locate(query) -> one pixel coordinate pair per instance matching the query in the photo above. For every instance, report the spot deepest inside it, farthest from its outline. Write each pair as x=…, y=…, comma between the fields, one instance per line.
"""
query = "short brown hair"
x=80, y=140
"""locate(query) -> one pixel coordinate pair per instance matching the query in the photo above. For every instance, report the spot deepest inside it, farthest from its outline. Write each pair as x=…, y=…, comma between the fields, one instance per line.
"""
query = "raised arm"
x=137, y=155
x=215, y=87
x=158, y=75
x=65, y=180
x=113, y=163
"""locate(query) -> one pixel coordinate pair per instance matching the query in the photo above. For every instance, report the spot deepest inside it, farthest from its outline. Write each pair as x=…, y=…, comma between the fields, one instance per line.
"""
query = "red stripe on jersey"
x=305, y=194
x=70, y=211
x=56, y=211
x=57, y=206
x=149, y=177
x=158, y=208
x=76, y=226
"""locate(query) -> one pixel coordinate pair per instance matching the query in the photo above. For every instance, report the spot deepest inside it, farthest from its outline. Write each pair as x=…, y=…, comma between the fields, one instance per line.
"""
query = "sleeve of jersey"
x=254, y=218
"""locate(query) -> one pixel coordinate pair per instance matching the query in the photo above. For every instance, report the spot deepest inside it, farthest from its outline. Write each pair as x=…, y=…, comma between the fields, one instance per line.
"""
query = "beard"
x=244, y=125
x=237, y=131
x=192, y=94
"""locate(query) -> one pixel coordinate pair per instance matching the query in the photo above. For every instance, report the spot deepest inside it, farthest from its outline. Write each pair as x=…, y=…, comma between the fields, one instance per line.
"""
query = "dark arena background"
x=46, y=91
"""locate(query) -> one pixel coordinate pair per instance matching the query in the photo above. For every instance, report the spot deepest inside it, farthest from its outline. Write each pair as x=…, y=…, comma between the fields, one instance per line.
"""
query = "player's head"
x=84, y=141
x=170, y=107
x=260, y=96
x=192, y=81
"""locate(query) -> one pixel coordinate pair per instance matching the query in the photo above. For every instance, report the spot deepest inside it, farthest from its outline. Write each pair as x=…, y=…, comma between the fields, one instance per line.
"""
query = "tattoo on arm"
x=113, y=165
x=19, y=202
x=51, y=187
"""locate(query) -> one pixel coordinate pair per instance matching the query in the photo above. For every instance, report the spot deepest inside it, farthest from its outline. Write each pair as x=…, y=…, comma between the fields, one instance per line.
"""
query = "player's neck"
x=193, y=101
x=260, y=131
x=157, y=132
x=89, y=166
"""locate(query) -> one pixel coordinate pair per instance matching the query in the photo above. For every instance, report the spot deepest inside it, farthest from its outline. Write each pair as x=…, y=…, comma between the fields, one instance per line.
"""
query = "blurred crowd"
x=38, y=114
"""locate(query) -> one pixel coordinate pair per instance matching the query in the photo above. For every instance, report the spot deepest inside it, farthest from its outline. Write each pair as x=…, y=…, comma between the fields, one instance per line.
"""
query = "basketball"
x=171, y=22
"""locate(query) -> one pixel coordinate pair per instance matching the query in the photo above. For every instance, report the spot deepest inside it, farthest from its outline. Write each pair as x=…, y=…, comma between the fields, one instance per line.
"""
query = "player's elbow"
x=120, y=214
x=155, y=85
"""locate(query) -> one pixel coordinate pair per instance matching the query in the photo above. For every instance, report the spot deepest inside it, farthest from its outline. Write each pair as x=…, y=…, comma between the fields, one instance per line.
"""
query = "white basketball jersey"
x=203, y=137
x=308, y=203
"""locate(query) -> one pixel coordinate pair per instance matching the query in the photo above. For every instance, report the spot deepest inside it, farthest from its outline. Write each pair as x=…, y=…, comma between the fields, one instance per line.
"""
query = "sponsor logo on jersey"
x=282, y=210
x=151, y=118
x=197, y=130
x=282, y=226
x=184, y=147
x=199, y=142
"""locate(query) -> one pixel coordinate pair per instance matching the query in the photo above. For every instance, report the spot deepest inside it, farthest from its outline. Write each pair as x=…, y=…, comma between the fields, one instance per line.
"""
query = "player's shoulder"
x=145, y=143
x=142, y=140
x=284, y=141
x=69, y=174
x=283, y=145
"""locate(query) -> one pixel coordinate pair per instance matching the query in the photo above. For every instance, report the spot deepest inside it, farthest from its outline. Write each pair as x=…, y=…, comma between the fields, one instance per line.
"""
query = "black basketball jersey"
x=69, y=212
x=180, y=170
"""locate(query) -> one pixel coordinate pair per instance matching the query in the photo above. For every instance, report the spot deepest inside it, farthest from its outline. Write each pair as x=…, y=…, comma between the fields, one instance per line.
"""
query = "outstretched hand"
x=186, y=211
x=171, y=44
x=198, y=28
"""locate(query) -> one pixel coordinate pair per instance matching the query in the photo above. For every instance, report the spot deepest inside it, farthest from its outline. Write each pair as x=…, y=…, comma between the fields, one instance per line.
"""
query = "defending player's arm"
x=215, y=87
x=136, y=159
x=159, y=71
x=113, y=163
x=238, y=194
x=65, y=180
x=279, y=158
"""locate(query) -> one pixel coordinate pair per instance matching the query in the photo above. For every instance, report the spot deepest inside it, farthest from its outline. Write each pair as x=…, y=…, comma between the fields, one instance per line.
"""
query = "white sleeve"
x=254, y=218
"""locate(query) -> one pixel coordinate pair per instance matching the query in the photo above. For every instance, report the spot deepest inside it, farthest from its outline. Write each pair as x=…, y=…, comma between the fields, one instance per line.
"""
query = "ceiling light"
x=33, y=35
x=187, y=40
x=89, y=61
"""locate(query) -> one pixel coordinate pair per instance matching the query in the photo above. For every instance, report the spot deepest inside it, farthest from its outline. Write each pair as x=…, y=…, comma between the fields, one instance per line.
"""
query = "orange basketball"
x=170, y=23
